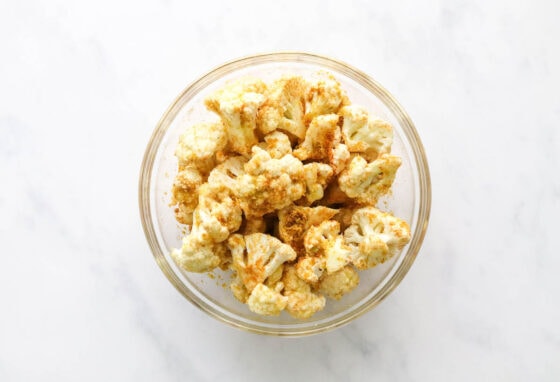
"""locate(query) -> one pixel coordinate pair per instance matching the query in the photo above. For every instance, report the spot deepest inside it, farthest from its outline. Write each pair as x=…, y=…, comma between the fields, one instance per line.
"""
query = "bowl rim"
x=412, y=137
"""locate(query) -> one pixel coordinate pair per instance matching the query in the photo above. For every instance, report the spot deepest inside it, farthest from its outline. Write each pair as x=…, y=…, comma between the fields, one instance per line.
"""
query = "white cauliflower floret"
x=302, y=302
x=184, y=193
x=375, y=236
x=324, y=241
x=310, y=268
x=339, y=283
x=237, y=104
x=294, y=221
x=277, y=144
x=198, y=146
x=325, y=96
x=217, y=214
x=284, y=107
x=323, y=142
x=366, y=182
x=266, y=301
x=317, y=176
x=257, y=256
x=226, y=173
x=199, y=256
x=365, y=134
x=269, y=184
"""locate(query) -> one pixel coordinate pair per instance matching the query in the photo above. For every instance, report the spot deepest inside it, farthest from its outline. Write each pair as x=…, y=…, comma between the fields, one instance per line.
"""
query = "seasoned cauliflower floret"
x=310, y=268
x=317, y=176
x=324, y=241
x=277, y=144
x=198, y=146
x=269, y=184
x=339, y=283
x=375, y=236
x=366, y=182
x=284, y=107
x=226, y=173
x=325, y=96
x=302, y=302
x=257, y=256
x=184, y=193
x=197, y=256
x=237, y=104
x=294, y=221
x=365, y=134
x=217, y=214
x=266, y=301
x=323, y=142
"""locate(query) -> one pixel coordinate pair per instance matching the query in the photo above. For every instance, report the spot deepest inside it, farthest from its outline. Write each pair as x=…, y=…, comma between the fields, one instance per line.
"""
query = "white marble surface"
x=82, y=85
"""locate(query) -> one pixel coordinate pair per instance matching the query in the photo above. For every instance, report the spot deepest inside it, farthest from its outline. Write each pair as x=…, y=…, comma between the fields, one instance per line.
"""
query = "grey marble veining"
x=83, y=85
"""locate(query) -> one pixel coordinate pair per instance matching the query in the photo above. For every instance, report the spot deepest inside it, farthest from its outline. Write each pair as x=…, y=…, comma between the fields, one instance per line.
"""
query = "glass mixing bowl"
x=410, y=198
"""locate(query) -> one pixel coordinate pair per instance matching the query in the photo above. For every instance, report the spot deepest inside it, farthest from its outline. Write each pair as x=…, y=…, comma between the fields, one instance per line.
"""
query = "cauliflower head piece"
x=199, y=145
x=302, y=301
x=277, y=144
x=184, y=193
x=294, y=221
x=339, y=283
x=217, y=214
x=317, y=177
x=366, y=182
x=375, y=236
x=325, y=242
x=324, y=96
x=269, y=184
x=284, y=107
x=237, y=104
x=365, y=134
x=266, y=301
x=197, y=256
x=257, y=256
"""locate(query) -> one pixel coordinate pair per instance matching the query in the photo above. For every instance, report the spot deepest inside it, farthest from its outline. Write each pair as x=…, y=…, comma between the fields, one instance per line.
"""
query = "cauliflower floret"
x=184, y=193
x=323, y=142
x=266, y=301
x=237, y=104
x=277, y=144
x=269, y=184
x=257, y=256
x=321, y=137
x=217, y=214
x=198, y=256
x=375, y=236
x=294, y=221
x=339, y=283
x=365, y=134
x=324, y=241
x=325, y=96
x=226, y=173
x=199, y=144
x=238, y=289
x=302, y=302
x=317, y=176
x=310, y=268
x=284, y=107
x=366, y=182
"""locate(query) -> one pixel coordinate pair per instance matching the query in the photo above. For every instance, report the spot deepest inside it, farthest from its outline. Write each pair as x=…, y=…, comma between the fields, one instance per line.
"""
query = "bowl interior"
x=210, y=291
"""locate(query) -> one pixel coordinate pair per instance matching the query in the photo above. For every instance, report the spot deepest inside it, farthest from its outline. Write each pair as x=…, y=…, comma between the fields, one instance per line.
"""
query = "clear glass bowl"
x=409, y=200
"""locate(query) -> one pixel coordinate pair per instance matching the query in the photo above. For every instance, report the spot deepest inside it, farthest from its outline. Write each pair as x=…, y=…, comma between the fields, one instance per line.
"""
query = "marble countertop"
x=82, y=85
